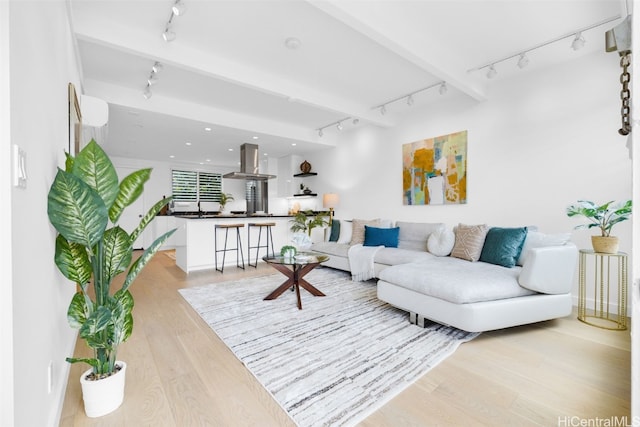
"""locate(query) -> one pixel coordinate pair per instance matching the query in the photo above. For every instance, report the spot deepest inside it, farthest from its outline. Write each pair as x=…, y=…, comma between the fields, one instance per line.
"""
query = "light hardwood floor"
x=180, y=374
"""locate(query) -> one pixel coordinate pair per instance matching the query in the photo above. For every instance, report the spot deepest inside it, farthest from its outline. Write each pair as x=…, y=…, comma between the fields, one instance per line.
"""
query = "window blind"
x=192, y=186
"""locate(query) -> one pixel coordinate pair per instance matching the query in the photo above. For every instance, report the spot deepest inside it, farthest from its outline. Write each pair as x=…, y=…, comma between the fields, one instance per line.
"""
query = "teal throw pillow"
x=335, y=230
x=375, y=236
x=502, y=246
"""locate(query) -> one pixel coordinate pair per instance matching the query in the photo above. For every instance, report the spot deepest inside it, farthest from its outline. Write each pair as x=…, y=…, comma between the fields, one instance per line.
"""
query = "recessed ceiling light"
x=187, y=143
x=207, y=129
x=208, y=160
x=293, y=144
x=265, y=154
x=255, y=137
x=201, y=163
x=172, y=156
x=230, y=149
x=292, y=43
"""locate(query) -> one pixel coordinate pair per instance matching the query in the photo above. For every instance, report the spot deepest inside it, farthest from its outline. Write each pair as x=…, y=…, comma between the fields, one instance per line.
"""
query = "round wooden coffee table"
x=295, y=269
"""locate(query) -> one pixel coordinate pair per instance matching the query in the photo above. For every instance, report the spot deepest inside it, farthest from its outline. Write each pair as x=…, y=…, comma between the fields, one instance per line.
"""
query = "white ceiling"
x=229, y=69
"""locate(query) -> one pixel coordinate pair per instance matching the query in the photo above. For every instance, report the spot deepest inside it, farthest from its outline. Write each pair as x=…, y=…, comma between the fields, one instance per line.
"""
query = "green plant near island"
x=85, y=202
x=305, y=221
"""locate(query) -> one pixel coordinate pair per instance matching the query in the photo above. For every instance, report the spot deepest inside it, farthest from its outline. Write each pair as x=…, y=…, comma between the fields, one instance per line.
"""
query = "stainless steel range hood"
x=249, y=165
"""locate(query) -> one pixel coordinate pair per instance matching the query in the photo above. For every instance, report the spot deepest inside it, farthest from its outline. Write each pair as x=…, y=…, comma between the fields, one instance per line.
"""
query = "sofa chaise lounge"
x=425, y=276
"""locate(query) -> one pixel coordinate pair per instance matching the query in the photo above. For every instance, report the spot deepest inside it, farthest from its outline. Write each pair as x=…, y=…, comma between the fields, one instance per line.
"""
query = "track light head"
x=410, y=100
x=383, y=109
x=320, y=133
x=356, y=121
x=168, y=35
x=179, y=8
x=157, y=67
x=443, y=88
x=339, y=126
x=578, y=42
x=153, y=79
x=147, y=92
x=523, y=61
x=491, y=72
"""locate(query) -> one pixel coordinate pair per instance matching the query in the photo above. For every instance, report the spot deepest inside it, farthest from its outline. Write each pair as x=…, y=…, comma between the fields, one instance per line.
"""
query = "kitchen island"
x=195, y=242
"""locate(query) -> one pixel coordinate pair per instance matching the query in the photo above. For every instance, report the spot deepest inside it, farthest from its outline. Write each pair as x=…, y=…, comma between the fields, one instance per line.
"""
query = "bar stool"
x=268, y=238
x=237, y=249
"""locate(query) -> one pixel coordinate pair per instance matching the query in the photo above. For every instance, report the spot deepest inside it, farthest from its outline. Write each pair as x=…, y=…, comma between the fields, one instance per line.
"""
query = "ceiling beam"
x=428, y=56
x=131, y=98
x=134, y=41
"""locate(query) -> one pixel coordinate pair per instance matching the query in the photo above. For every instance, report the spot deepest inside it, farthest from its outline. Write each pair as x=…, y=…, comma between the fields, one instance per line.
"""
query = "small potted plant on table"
x=603, y=217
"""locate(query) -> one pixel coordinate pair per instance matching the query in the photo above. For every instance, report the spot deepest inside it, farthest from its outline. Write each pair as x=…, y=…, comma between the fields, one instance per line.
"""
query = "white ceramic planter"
x=103, y=396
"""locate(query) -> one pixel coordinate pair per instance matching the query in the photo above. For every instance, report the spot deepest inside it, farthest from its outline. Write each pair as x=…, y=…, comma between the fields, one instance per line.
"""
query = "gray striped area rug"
x=332, y=363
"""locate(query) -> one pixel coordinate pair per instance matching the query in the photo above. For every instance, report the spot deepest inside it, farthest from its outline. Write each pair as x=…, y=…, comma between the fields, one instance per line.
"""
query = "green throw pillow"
x=502, y=246
x=335, y=230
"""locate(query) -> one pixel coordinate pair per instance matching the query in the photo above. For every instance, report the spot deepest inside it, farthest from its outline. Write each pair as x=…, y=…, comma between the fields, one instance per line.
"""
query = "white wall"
x=540, y=142
x=6, y=291
x=42, y=63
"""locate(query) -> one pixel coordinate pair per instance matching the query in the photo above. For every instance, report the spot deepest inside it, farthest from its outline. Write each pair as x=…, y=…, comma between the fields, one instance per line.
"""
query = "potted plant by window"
x=85, y=202
x=604, y=217
x=224, y=199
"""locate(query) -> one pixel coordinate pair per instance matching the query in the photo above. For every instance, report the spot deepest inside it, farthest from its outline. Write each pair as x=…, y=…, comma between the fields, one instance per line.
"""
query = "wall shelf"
x=302, y=175
x=306, y=195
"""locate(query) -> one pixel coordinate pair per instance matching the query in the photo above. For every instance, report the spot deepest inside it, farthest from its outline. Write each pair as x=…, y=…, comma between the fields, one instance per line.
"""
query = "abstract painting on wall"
x=434, y=171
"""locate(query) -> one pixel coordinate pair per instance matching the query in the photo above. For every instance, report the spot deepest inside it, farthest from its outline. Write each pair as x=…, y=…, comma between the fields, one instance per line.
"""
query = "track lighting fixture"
x=491, y=72
x=168, y=35
x=577, y=43
x=179, y=8
x=339, y=125
x=157, y=67
x=152, y=79
x=409, y=97
x=523, y=61
x=147, y=92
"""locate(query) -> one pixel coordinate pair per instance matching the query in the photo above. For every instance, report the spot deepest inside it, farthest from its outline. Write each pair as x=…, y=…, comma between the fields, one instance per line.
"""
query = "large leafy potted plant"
x=85, y=202
x=604, y=217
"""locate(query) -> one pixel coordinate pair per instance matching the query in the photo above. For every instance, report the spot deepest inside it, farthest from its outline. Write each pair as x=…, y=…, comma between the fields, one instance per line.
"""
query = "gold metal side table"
x=604, y=270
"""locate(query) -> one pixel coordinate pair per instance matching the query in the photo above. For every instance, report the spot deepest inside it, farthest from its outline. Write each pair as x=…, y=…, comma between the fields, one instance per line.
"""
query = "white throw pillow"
x=535, y=239
x=441, y=241
x=346, y=229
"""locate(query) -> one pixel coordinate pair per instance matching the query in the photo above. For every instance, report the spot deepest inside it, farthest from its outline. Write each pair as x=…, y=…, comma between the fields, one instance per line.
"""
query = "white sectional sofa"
x=471, y=295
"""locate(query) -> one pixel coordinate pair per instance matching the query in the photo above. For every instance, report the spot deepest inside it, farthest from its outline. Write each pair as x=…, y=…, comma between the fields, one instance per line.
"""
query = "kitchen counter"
x=195, y=237
x=227, y=216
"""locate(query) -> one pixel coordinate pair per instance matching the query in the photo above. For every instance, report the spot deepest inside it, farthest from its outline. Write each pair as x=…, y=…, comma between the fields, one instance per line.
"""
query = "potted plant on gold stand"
x=604, y=217
x=85, y=202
